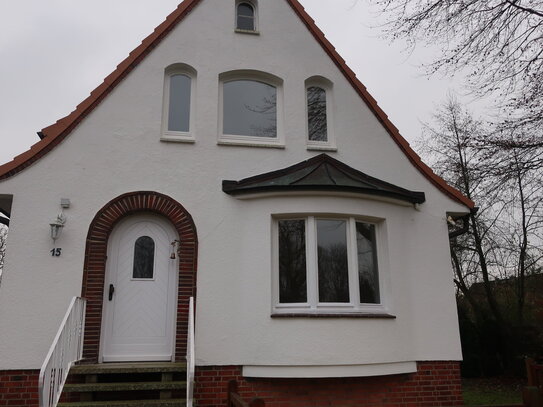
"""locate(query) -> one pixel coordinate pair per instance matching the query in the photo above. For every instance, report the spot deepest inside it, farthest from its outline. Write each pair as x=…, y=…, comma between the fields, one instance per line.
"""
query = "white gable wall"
x=116, y=149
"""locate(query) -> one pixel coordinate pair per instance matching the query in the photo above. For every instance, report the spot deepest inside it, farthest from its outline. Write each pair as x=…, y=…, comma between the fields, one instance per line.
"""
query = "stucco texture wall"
x=117, y=149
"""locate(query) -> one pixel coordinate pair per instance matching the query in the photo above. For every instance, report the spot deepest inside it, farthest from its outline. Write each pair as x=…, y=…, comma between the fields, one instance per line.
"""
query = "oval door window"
x=144, y=258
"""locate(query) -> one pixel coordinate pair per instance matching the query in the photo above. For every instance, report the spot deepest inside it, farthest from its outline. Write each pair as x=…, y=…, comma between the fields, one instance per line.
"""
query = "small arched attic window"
x=246, y=16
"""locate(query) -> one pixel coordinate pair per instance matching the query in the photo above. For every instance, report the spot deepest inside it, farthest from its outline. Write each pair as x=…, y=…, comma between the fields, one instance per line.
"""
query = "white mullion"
x=352, y=262
x=275, y=259
x=311, y=262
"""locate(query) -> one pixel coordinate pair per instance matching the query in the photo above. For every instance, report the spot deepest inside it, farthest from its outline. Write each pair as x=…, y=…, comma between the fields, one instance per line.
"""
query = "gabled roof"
x=57, y=132
x=321, y=173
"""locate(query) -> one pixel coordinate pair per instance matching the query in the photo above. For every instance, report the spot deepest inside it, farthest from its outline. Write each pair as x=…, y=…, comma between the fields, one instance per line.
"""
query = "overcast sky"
x=54, y=52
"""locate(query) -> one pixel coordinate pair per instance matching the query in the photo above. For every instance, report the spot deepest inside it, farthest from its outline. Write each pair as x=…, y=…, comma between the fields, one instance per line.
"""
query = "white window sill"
x=178, y=138
x=253, y=32
x=339, y=314
x=321, y=147
x=253, y=142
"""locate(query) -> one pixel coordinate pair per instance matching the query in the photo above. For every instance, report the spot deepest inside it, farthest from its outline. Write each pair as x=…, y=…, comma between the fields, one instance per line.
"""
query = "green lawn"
x=493, y=391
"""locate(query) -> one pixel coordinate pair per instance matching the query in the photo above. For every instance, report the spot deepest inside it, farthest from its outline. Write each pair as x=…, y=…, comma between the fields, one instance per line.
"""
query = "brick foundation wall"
x=19, y=388
x=436, y=384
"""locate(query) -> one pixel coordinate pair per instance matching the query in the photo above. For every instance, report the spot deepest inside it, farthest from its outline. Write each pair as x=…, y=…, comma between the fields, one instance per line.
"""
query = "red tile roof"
x=57, y=132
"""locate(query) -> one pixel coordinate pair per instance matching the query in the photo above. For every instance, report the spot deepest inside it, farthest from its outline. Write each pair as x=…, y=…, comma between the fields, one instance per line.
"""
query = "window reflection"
x=179, y=103
x=246, y=17
x=332, y=261
x=316, y=114
x=144, y=257
x=292, y=262
x=250, y=109
x=367, y=263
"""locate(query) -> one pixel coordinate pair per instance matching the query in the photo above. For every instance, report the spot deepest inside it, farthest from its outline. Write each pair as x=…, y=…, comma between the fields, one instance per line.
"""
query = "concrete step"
x=115, y=368
x=127, y=403
x=131, y=386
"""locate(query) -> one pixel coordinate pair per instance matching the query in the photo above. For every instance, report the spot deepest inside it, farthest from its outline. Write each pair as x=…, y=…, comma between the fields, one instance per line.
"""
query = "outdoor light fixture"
x=57, y=225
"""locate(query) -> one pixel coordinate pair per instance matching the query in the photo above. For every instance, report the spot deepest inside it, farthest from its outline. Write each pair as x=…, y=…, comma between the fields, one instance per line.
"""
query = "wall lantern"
x=57, y=225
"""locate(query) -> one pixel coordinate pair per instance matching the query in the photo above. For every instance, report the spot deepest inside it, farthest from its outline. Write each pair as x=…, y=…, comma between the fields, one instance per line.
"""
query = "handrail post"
x=190, y=354
x=65, y=350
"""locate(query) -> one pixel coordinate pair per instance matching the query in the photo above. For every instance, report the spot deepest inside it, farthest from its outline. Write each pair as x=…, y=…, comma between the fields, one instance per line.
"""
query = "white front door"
x=140, y=291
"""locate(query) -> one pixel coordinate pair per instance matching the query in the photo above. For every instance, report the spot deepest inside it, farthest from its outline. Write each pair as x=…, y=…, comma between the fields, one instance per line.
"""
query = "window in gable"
x=250, y=112
x=316, y=114
x=327, y=265
x=319, y=114
x=246, y=16
x=178, y=103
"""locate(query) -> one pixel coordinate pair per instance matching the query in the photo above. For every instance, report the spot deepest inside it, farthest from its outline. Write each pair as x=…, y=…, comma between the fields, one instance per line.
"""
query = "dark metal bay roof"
x=321, y=173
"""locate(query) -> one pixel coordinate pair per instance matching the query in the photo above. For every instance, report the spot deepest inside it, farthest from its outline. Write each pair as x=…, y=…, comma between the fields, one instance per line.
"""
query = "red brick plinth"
x=436, y=384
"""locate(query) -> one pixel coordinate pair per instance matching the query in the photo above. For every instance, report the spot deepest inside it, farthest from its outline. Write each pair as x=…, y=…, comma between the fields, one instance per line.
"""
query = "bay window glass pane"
x=179, y=107
x=144, y=257
x=292, y=262
x=332, y=261
x=250, y=109
x=367, y=263
x=316, y=114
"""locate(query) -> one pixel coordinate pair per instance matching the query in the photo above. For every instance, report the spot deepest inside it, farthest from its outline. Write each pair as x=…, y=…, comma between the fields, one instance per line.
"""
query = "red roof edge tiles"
x=57, y=132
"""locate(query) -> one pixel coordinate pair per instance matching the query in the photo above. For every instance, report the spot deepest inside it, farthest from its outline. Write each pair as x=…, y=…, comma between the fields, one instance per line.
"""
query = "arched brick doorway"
x=96, y=255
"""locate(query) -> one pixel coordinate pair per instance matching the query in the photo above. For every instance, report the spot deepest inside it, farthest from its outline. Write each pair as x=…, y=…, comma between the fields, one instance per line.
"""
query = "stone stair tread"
x=127, y=403
x=143, y=367
x=128, y=386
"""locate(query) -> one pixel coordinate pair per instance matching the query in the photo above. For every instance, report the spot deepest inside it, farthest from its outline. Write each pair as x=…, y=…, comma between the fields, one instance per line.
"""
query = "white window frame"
x=313, y=306
x=171, y=135
x=254, y=5
x=327, y=86
x=241, y=140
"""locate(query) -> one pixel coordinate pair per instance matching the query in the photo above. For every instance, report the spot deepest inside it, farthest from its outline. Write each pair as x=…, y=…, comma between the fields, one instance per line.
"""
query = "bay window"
x=326, y=264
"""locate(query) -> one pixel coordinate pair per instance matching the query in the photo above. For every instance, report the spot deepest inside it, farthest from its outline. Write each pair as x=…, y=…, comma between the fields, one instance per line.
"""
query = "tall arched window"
x=179, y=84
x=245, y=16
x=320, y=135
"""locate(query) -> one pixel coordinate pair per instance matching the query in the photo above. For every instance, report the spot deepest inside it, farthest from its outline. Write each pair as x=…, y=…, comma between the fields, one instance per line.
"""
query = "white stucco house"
x=233, y=157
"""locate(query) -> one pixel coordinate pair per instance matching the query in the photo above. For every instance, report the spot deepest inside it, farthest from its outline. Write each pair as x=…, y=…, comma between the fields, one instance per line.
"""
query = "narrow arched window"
x=245, y=17
x=144, y=258
x=316, y=114
x=178, y=103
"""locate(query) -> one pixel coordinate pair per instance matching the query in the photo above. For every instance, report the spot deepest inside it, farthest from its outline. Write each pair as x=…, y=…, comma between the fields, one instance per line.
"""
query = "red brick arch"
x=96, y=255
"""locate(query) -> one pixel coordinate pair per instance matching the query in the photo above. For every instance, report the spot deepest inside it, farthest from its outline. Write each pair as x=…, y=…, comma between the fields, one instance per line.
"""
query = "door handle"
x=111, y=291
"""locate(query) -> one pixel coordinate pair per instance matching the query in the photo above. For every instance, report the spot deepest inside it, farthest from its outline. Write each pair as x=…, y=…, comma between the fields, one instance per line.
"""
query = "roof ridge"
x=55, y=133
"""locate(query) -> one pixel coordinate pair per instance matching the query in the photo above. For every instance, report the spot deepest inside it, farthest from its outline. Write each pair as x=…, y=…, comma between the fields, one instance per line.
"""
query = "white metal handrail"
x=190, y=354
x=67, y=348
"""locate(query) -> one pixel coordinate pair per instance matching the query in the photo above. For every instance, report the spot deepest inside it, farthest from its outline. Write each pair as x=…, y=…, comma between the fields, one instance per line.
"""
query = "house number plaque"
x=56, y=252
